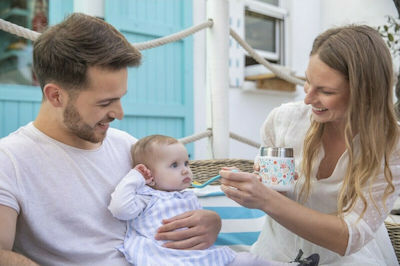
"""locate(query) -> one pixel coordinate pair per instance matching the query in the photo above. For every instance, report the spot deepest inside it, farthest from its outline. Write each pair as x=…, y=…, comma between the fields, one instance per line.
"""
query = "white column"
x=90, y=7
x=218, y=77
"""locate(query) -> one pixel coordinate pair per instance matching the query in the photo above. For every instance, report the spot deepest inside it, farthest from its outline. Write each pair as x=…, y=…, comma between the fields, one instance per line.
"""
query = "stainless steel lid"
x=276, y=152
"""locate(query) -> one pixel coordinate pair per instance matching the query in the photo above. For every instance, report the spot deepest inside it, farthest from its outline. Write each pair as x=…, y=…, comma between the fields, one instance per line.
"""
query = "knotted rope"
x=196, y=137
x=33, y=35
x=264, y=62
x=18, y=30
x=173, y=37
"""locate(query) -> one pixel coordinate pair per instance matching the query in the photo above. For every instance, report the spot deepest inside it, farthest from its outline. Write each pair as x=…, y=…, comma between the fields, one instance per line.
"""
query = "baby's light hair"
x=142, y=151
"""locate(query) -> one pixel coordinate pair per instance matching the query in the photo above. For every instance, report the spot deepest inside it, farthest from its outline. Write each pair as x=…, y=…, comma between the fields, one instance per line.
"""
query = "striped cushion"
x=240, y=226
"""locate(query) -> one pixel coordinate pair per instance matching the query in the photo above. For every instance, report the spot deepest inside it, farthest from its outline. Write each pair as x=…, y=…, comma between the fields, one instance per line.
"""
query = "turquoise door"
x=160, y=91
x=19, y=104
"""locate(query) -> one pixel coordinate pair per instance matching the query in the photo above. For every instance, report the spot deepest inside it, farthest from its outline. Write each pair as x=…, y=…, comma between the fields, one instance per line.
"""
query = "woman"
x=345, y=138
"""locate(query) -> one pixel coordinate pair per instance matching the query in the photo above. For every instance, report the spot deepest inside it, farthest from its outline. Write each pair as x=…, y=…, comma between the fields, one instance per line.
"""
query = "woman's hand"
x=200, y=230
x=246, y=189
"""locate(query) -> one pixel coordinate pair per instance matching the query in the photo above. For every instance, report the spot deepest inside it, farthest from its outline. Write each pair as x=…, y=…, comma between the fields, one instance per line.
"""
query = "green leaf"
x=390, y=37
x=386, y=27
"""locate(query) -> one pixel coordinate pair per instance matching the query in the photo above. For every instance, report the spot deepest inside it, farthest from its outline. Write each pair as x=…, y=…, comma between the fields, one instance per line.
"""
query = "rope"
x=195, y=137
x=264, y=62
x=33, y=35
x=208, y=133
x=173, y=37
x=18, y=30
x=244, y=140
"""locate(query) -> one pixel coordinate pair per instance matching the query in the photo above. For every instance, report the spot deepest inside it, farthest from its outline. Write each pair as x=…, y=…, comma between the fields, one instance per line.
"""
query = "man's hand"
x=200, y=229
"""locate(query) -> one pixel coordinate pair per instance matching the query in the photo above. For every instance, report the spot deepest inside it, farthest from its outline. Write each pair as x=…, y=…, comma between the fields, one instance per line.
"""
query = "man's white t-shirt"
x=61, y=194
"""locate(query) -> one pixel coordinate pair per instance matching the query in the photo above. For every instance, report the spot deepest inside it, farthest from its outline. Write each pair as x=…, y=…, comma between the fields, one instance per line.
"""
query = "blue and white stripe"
x=140, y=247
x=240, y=226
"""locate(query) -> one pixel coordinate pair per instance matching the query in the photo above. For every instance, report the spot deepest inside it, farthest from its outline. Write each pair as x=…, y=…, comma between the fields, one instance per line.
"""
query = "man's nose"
x=117, y=111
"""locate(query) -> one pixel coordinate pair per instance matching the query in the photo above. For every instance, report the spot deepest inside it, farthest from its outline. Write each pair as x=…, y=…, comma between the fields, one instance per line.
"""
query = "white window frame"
x=276, y=13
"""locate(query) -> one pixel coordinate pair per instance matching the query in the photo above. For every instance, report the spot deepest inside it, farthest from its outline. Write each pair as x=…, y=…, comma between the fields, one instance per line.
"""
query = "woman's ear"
x=54, y=94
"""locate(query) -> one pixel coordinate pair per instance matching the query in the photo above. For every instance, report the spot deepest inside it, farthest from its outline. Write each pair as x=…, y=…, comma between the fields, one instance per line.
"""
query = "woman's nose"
x=310, y=94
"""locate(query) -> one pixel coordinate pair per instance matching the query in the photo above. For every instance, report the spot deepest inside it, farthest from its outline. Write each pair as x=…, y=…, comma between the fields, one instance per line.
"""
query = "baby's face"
x=171, y=170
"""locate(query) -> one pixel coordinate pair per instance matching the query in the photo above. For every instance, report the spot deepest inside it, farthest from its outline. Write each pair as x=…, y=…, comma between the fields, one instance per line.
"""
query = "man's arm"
x=202, y=230
x=8, y=222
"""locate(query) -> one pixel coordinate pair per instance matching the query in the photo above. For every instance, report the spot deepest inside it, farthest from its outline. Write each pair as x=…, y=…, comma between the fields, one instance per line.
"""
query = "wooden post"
x=218, y=77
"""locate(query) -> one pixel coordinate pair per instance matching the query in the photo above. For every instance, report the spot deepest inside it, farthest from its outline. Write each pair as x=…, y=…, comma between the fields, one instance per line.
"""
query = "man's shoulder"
x=117, y=135
x=20, y=137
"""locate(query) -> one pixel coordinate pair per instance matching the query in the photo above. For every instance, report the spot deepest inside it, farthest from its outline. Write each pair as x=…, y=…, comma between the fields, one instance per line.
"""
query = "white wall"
x=306, y=19
x=90, y=7
x=370, y=12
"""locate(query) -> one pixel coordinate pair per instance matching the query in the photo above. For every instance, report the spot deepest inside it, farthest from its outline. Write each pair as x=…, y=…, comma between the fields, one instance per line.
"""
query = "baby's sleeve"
x=125, y=203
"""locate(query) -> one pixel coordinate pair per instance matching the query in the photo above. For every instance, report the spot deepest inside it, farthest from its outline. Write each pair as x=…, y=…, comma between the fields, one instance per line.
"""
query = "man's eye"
x=105, y=104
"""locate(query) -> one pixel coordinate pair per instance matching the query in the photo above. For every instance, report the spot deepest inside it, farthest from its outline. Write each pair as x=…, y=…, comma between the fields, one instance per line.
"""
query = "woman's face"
x=327, y=91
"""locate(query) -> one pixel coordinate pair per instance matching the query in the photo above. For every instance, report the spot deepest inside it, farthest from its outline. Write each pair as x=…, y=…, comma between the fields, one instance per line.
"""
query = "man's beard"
x=74, y=122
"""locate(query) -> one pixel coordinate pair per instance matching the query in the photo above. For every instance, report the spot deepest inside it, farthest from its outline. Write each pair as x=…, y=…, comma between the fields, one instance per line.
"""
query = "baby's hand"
x=146, y=173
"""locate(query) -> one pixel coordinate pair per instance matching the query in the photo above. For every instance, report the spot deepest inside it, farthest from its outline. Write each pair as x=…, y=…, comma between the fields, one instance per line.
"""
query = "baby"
x=155, y=190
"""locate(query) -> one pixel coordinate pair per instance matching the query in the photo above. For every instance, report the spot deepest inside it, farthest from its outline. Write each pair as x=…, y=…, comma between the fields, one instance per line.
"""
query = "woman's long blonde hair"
x=360, y=54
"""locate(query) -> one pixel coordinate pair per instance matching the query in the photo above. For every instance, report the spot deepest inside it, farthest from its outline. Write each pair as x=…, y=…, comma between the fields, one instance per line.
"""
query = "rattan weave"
x=206, y=169
x=394, y=234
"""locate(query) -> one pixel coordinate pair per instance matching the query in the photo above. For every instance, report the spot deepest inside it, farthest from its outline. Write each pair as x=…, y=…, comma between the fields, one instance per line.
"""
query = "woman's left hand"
x=245, y=188
x=200, y=230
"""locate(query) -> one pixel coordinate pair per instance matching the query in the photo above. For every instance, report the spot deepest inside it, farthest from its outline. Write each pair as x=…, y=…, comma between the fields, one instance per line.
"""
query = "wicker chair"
x=205, y=169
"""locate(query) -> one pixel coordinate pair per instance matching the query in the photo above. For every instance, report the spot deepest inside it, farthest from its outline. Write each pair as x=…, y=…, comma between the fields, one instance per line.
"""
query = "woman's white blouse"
x=368, y=243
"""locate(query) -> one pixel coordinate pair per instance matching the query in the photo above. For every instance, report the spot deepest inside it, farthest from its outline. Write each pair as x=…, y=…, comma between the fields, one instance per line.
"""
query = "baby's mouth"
x=187, y=180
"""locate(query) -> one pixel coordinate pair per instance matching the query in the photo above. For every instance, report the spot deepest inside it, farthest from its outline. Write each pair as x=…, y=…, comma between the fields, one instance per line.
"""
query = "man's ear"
x=54, y=94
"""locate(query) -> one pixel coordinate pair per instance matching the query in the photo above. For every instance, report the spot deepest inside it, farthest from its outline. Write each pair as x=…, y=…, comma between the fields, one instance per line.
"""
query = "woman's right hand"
x=246, y=189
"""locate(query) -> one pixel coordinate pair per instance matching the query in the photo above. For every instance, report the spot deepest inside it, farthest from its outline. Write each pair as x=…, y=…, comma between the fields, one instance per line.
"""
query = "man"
x=57, y=172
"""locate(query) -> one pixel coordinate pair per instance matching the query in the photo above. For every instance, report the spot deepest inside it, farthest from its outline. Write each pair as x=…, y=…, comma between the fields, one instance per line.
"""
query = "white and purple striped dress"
x=149, y=208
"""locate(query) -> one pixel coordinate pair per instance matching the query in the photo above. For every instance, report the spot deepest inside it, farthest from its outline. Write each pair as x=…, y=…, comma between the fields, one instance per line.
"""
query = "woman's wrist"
x=271, y=200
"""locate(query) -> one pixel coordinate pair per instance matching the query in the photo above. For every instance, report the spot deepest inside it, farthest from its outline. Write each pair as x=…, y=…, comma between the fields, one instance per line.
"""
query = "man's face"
x=87, y=115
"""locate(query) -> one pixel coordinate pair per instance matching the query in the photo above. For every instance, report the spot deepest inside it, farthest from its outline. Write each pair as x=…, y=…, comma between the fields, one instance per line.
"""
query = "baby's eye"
x=186, y=163
x=174, y=165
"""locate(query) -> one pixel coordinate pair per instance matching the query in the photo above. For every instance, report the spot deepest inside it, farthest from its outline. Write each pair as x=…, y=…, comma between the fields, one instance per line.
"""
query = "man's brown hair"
x=64, y=52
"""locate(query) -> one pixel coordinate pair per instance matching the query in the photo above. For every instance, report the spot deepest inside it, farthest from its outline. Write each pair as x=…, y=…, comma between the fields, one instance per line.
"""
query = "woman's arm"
x=328, y=231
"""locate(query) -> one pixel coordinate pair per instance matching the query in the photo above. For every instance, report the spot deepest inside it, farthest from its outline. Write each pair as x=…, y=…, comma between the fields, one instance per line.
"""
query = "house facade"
x=167, y=94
